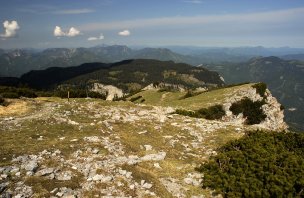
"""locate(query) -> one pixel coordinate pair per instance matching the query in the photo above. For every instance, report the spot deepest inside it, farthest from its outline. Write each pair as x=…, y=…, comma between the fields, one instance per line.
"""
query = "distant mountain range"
x=285, y=79
x=16, y=62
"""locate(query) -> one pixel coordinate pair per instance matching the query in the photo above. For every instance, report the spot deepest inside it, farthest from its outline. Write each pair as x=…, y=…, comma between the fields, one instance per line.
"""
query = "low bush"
x=15, y=92
x=78, y=93
x=187, y=113
x=252, y=111
x=135, y=98
x=191, y=93
x=2, y=101
x=10, y=95
x=211, y=113
x=261, y=164
x=260, y=88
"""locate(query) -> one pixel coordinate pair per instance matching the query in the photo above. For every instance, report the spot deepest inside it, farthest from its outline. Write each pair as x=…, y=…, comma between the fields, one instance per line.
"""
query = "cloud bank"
x=101, y=37
x=58, y=32
x=124, y=33
x=260, y=18
x=74, y=11
x=10, y=29
x=193, y=1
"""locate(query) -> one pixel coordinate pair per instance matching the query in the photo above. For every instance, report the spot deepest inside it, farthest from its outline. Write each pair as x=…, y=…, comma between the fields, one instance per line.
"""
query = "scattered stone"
x=31, y=166
x=147, y=185
x=122, y=172
x=6, y=195
x=45, y=172
x=74, y=140
x=40, y=138
x=9, y=119
x=188, y=181
x=3, y=186
x=95, y=151
x=72, y=122
x=148, y=147
x=132, y=186
x=154, y=157
x=156, y=165
x=59, y=194
x=173, y=187
x=92, y=139
x=64, y=176
x=54, y=190
x=102, y=178
x=142, y=132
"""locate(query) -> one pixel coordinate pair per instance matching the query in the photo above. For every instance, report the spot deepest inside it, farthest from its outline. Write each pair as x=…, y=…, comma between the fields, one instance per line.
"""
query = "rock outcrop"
x=272, y=109
x=110, y=90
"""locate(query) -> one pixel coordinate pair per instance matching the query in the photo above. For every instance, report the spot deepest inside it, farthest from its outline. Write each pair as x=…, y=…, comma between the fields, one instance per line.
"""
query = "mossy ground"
x=44, y=125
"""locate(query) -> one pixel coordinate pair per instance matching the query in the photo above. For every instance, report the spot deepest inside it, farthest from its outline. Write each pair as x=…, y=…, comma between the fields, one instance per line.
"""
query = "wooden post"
x=68, y=96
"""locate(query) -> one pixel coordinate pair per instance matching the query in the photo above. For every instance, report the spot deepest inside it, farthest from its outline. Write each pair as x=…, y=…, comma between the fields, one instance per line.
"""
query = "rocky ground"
x=95, y=148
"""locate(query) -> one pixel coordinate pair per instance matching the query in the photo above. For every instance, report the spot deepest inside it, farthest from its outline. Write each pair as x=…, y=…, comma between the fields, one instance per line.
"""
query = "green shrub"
x=211, y=113
x=26, y=92
x=261, y=164
x=252, y=111
x=260, y=88
x=2, y=101
x=17, y=92
x=191, y=93
x=187, y=113
x=10, y=95
x=135, y=98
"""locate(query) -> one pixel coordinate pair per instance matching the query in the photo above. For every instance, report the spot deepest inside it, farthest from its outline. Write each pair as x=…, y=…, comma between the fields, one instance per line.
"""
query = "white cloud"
x=58, y=32
x=10, y=29
x=193, y=1
x=96, y=38
x=124, y=33
x=71, y=33
x=74, y=11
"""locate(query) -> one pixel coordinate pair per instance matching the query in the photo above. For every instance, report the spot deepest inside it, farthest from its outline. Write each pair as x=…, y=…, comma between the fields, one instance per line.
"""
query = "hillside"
x=90, y=147
x=128, y=75
x=284, y=78
x=134, y=74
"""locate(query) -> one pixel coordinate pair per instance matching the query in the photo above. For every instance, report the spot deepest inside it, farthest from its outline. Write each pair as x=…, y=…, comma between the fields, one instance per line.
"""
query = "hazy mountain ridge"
x=16, y=62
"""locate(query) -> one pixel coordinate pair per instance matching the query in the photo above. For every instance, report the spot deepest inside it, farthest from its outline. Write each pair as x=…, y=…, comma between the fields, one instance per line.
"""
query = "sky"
x=206, y=23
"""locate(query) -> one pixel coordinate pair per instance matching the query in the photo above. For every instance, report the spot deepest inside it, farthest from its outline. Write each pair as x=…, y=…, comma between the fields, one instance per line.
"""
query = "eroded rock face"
x=275, y=115
x=110, y=90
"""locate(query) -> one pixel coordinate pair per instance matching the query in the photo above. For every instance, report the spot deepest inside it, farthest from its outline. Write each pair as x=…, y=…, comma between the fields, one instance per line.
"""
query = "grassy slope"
x=174, y=99
x=20, y=136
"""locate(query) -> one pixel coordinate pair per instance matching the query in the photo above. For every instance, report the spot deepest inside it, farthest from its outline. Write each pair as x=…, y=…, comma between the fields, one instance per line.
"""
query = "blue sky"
x=84, y=23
